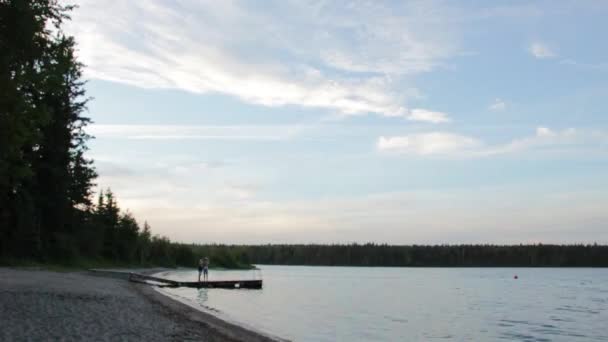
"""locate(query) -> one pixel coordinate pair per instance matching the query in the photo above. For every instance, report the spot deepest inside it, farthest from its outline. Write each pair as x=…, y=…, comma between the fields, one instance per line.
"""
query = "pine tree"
x=144, y=244
x=46, y=181
x=109, y=217
x=59, y=190
x=26, y=43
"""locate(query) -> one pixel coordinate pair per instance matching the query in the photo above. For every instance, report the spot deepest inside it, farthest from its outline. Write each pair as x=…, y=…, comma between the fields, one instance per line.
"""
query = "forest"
x=47, y=213
x=532, y=255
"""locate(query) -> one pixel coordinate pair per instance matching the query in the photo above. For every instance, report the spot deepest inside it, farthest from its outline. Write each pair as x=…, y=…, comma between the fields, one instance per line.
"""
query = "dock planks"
x=219, y=284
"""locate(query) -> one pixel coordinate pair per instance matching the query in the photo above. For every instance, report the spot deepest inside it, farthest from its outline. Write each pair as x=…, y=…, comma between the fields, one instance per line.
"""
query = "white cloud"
x=544, y=132
x=427, y=116
x=498, y=105
x=194, y=132
x=239, y=192
x=585, y=66
x=427, y=143
x=450, y=144
x=307, y=54
x=541, y=50
x=453, y=216
x=544, y=138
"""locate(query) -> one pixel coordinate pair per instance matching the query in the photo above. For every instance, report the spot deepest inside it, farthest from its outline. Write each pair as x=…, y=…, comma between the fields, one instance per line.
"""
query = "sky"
x=401, y=122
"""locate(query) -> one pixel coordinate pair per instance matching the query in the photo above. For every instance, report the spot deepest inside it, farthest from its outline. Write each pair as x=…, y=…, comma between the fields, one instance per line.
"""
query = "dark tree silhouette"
x=46, y=181
x=538, y=255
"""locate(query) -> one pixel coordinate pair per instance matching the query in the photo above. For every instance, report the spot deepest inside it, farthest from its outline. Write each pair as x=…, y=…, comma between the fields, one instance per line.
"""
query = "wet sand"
x=43, y=305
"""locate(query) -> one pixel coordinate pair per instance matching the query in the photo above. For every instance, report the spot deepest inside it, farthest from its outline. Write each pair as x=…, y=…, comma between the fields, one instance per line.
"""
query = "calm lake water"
x=413, y=304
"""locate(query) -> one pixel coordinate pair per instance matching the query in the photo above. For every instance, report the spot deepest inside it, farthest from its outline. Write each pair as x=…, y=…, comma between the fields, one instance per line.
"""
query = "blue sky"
x=324, y=121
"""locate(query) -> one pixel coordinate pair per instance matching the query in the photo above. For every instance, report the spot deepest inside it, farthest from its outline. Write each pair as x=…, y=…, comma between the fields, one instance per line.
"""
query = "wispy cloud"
x=498, y=105
x=585, y=66
x=541, y=50
x=320, y=57
x=427, y=143
x=399, y=217
x=456, y=145
x=238, y=191
x=544, y=137
x=428, y=116
x=195, y=132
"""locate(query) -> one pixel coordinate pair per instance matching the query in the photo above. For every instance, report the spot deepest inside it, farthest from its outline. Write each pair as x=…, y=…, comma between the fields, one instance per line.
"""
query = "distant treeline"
x=226, y=256
x=538, y=255
x=46, y=182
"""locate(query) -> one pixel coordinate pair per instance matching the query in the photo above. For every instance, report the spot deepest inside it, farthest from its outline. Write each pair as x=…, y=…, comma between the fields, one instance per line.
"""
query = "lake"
x=412, y=304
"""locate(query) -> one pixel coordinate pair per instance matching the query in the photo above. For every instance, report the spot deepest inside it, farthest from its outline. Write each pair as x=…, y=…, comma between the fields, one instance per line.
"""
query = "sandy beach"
x=44, y=305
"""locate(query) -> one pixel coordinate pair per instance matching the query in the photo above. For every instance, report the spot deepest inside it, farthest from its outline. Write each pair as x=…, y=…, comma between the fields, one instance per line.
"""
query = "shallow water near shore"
x=391, y=304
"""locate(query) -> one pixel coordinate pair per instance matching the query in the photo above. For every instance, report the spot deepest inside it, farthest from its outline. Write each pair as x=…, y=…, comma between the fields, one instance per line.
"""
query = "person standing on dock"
x=205, y=269
x=201, y=262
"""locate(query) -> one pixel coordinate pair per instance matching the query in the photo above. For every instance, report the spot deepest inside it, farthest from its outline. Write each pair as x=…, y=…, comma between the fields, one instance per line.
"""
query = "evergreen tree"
x=26, y=66
x=127, y=234
x=143, y=246
x=108, y=216
x=63, y=176
x=46, y=181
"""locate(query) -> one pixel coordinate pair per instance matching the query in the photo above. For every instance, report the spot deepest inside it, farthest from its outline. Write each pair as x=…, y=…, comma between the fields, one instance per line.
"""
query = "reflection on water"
x=403, y=304
x=202, y=296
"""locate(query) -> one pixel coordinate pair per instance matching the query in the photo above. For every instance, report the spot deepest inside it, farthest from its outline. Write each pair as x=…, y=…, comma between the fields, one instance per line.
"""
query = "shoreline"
x=41, y=305
x=231, y=329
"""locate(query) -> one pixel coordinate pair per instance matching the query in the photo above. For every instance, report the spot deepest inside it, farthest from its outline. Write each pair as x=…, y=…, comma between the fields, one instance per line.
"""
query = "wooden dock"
x=218, y=284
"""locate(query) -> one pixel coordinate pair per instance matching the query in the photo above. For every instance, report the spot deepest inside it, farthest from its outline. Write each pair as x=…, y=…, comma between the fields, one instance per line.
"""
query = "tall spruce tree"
x=44, y=177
